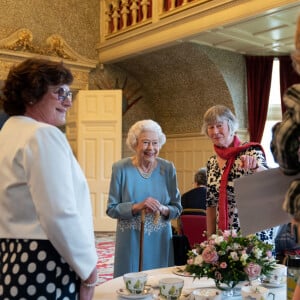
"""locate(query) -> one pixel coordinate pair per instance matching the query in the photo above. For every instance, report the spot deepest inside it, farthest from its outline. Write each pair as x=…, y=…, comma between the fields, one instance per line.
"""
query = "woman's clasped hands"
x=150, y=205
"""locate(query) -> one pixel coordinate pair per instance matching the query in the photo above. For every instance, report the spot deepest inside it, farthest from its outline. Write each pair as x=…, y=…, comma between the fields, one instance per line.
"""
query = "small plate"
x=272, y=285
x=266, y=283
x=180, y=272
x=126, y=294
x=217, y=294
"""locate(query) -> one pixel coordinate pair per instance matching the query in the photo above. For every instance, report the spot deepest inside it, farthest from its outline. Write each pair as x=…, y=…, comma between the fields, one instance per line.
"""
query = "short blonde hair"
x=144, y=125
x=219, y=113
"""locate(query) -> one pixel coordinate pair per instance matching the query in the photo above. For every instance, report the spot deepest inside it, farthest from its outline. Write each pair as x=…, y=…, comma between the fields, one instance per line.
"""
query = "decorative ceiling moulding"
x=19, y=46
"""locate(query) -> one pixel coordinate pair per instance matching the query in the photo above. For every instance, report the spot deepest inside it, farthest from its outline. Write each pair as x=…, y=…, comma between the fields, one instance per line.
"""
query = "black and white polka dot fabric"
x=33, y=270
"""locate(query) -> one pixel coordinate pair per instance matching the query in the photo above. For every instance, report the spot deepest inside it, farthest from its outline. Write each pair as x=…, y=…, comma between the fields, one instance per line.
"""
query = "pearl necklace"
x=145, y=175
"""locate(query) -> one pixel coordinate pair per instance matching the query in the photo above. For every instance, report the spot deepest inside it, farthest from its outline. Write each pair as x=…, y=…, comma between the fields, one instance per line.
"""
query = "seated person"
x=286, y=241
x=196, y=197
x=3, y=118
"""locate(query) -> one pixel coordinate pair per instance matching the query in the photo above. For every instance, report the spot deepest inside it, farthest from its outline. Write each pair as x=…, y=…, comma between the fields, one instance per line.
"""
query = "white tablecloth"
x=108, y=290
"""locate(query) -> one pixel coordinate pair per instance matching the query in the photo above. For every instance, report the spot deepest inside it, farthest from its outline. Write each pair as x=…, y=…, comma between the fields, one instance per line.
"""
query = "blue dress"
x=127, y=187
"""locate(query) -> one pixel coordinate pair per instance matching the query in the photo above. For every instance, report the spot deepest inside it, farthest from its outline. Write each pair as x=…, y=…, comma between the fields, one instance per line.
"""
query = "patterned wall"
x=180, y=83
x=175, y=85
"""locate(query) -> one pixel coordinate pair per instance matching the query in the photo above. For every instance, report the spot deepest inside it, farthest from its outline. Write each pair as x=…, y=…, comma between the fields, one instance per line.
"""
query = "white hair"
x=144, y=125
x=219, y=113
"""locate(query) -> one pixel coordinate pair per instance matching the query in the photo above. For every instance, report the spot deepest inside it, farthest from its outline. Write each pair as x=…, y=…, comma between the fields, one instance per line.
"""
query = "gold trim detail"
x=56, y=46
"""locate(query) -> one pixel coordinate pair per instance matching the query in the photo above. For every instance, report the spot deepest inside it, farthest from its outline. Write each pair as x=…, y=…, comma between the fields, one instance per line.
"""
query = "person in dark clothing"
x=196, y=197
x=3, y=118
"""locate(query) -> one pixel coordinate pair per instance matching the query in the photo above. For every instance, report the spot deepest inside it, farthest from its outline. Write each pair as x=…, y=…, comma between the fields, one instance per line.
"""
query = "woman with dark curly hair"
x=46, y=228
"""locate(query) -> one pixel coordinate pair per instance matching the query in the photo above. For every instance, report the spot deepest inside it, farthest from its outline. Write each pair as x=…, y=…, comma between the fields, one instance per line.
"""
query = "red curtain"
x=259, y=74
x=288, y=76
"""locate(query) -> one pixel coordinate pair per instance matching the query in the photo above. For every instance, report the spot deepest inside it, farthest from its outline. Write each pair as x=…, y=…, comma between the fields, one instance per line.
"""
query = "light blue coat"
x=128, y=187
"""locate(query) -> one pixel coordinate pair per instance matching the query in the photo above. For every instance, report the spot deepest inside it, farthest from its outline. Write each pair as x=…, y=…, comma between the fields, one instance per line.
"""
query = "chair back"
x=193, y=211
x=193, y=225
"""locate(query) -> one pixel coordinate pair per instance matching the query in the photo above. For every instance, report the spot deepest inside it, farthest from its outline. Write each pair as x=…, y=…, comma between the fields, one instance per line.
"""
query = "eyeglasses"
x=63, y=94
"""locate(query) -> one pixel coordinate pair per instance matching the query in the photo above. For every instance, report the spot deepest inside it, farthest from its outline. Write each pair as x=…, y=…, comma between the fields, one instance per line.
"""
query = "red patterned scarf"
x=228, y=154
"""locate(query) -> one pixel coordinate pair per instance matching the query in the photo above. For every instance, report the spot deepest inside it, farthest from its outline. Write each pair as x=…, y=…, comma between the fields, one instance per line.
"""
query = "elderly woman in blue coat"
x=143, y=183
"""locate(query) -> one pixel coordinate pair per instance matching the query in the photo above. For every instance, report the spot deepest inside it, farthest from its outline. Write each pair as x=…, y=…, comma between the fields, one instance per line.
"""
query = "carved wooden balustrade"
x=132, y=27
x=128, y=14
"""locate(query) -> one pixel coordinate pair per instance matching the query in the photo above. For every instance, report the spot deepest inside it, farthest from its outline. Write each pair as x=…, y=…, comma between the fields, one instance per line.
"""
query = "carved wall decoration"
x=20, y=45
x=22, y=40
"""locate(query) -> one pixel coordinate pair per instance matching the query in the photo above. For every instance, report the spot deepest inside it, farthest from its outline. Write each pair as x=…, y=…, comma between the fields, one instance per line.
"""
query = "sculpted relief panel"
x=76, y=21
x=19, y=46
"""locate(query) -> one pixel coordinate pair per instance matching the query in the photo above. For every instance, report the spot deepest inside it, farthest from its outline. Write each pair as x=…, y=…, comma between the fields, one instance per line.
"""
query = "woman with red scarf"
x=232, y=160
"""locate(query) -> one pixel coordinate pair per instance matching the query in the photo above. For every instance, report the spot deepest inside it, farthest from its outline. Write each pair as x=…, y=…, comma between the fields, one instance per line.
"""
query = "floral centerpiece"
x=228, y=258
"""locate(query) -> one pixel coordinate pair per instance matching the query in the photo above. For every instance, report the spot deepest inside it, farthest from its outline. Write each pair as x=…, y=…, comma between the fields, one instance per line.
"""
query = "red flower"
x=223, y=265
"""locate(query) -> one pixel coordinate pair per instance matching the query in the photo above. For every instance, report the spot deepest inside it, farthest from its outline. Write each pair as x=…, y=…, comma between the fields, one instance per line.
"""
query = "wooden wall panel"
x=188, y=153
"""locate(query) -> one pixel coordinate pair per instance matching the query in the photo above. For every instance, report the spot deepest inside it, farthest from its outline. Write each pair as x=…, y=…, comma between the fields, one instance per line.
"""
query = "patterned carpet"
x=105, y=249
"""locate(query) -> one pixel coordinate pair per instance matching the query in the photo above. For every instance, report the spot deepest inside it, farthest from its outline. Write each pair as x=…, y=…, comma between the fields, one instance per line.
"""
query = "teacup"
x=207, y=294
x=256, y=292
x=135, y=282
x=277, y=276
x=170, y=288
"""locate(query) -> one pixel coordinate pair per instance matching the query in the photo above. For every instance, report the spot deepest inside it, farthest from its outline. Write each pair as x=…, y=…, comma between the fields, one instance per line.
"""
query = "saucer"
x=180, y=272
x=272, y=285
x=208, y=293
x=268, y=284
x=126, y=294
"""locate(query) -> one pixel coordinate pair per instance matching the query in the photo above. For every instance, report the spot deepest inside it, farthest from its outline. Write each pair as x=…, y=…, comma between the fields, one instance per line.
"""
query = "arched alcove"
x=181, y=82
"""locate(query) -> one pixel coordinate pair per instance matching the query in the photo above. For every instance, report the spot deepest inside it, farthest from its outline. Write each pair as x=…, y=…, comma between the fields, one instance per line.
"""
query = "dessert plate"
x=126, y=294
x=180, y=271
x=272, y=285
x=269, y=284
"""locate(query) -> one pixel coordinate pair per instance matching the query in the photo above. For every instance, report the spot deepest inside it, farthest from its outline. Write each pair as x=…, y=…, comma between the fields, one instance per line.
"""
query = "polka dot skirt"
x=33, y=270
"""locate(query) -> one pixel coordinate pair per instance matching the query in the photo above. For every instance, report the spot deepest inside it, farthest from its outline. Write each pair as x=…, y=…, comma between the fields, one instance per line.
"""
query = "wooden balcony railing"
x=123, y=15
x=132, y=27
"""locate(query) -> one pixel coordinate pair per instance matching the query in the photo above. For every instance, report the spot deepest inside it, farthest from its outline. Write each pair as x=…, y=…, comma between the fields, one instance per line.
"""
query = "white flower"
x=236, y=246
x=244, y=257
x=198, y=260
x=257, y=252
x=214, y=236
x=234, y=255
x=195, y=251
x=219, y=240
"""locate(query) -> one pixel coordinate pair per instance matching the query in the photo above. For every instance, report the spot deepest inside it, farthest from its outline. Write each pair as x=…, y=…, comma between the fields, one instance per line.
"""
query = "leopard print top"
x=214, y=174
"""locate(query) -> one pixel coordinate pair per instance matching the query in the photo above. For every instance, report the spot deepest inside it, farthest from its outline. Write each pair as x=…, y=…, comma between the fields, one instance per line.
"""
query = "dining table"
x=114, y=289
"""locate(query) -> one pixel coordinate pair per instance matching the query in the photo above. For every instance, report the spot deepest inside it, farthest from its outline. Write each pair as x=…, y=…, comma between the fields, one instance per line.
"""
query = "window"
x=274, y=114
